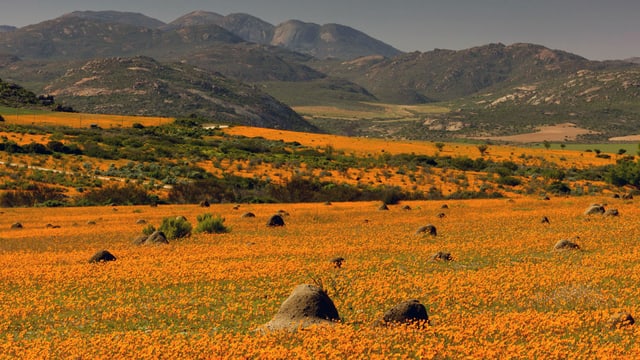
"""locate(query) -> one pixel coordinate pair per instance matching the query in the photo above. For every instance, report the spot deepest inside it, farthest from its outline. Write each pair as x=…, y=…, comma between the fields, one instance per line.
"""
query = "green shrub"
x=149, y=229
x=211, y=225
x=175, y=227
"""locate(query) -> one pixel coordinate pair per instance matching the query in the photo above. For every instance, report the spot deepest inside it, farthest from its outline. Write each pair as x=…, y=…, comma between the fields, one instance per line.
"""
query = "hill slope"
x=442, y=75
x=143, y=86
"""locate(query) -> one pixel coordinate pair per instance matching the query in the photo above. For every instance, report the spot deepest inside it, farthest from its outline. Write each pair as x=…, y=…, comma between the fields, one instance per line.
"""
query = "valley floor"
x=507, y=292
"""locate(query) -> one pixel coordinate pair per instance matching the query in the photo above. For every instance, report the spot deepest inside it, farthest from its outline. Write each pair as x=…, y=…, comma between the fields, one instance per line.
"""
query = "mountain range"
x=300, y=64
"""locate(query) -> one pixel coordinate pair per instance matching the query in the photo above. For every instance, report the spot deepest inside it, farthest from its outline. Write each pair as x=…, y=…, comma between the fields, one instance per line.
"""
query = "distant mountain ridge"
x=86, y=34
x=7, y=28
x=321, y=41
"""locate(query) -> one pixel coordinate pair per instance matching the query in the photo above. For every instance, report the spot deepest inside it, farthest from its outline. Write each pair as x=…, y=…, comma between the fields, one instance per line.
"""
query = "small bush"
x=149, y=229
x=175, y=227
x=211, y=225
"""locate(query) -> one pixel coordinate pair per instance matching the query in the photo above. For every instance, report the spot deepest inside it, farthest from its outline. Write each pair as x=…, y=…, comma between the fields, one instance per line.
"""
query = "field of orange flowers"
x=507, y=292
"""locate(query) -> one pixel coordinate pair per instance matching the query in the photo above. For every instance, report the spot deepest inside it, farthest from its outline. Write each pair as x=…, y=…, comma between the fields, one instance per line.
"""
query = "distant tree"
x=483, y=149
x=563, y=146
x=440, y=146
x=622, y=151
x=597, y=151
x=546, y=144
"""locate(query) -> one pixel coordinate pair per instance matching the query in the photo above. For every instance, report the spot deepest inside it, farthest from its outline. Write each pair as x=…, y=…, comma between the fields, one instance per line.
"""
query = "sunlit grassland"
x=506, y=294
x=78, y=120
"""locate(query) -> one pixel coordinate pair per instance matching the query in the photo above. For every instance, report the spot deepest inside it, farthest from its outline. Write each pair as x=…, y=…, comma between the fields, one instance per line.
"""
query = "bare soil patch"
x=559, y=132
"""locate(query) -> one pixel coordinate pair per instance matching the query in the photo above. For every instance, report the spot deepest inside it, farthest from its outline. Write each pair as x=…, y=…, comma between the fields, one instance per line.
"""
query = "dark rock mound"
x=621, y=320
x=406, y=207
x=307, y=305
x=141, y=221
x=444, y=206
x=441, y=215
x=157, y=237
x=545, y=220
x=411, y=311
x=102, y=256
x=442, y=256
x=275, y=220
x=427, y=229
x=16, y=225
x=611, y=212
x=248, y=215
x=565, y=244
x=204, y=203
x=594, y=209
x=337, y=261
x=383, y=207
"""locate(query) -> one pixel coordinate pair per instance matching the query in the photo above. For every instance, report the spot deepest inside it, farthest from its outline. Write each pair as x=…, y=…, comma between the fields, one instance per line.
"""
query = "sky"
x=597, y=30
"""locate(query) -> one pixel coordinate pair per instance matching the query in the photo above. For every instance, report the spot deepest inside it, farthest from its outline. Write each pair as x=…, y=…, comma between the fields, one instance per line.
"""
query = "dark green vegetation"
x=166, y=164
x=491, y=90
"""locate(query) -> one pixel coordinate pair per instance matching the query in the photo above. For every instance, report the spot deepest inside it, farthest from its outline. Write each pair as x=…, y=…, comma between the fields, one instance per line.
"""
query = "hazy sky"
x=597, y=30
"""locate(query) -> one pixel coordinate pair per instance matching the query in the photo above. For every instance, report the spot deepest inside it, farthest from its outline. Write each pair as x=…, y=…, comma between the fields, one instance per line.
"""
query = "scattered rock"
x=594, y=209
x=441, y=256
x=427, y=229
x=157, y=237
x=545, y=220
x=406, y=207
x=565, y=244
x=91, y=222
x=204, y=203
x=102, y=256
x=411, y=311
x=627, y=197
x=307, y=305
x=441, y=215
x=51, y=226
x=282, y=213
x=141, y=221
x=248, y=215
x=619, y=320
x=444, y=206
x=337, y=261
x=140, y=239
x=611, y=212
x=383, y=207
x=275, y=220
x=16, y=225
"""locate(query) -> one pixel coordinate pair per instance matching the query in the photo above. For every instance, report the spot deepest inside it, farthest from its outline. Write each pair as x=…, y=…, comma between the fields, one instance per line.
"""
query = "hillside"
x=443, y=75
x=143, y=86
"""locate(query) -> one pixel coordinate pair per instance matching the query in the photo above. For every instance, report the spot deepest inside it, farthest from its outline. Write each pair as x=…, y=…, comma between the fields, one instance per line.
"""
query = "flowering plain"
x=507, y=292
